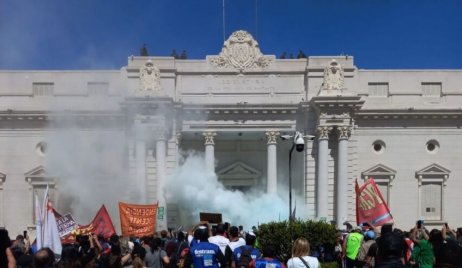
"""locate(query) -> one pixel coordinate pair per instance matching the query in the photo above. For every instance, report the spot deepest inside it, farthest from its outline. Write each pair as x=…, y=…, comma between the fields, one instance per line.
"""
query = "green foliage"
x=282, y=234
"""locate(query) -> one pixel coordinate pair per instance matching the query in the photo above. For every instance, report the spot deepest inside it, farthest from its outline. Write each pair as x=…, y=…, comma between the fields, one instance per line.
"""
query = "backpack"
x=245, y=258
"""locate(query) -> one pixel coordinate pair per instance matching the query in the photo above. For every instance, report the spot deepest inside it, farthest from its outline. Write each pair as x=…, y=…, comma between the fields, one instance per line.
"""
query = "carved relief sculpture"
x=272, y=136
x=343, y=132
x=240, y=51
x=323, y=132
x=149, y=79
x=209, y=137
x=333, y=77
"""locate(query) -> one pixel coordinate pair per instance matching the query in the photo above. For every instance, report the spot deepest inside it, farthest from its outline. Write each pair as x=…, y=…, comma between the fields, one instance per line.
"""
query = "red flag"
x=101, y=224
x=370, y=205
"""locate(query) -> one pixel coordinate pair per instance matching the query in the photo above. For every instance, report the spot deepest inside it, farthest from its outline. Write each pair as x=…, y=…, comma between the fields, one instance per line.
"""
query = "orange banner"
x=137, y=220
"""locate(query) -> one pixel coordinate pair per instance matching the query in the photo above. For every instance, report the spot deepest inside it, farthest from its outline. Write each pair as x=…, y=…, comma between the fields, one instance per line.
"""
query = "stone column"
x=2, y=206
x=141, y=184
x=209, y=150
x=161, y=171
x=272, y=162
x=342, y=175
x=322, y=183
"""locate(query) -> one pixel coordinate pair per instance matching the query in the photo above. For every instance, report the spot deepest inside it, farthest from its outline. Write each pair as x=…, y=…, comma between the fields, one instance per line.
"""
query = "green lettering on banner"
x=160, y=213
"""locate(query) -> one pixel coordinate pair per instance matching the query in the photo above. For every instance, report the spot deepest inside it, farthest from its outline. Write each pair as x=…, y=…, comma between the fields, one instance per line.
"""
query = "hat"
x=370, y=234
x=357, y=228
x=252, y=233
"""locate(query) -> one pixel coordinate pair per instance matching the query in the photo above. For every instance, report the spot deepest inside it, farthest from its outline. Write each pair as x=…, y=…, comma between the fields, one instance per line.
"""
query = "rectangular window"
x=383, y=188
x=43, y=89
x=431, y=89
x=378, y=89
x=431, y=201
x=98, y=88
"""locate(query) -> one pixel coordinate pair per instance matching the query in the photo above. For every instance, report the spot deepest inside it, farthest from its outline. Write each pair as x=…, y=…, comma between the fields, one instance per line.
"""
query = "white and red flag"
x=38, y=223
x=51, y=238
x=370, y=205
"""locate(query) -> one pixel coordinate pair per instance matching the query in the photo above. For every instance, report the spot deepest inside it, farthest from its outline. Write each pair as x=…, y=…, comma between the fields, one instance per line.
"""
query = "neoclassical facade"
x=401, y=127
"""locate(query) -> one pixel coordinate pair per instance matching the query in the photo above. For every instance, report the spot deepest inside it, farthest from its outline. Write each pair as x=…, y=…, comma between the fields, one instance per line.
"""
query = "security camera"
x=299, y=142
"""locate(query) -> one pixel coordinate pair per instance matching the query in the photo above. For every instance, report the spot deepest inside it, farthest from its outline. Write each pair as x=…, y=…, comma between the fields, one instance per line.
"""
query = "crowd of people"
x=229, y=247
x=368, y=246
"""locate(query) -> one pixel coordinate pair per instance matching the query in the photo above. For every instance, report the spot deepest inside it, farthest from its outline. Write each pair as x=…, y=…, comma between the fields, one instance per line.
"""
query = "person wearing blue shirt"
x=250, y=239
x=204, y=254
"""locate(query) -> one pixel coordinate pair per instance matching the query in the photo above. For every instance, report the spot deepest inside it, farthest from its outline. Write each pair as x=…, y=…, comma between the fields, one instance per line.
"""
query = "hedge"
x=282, y=234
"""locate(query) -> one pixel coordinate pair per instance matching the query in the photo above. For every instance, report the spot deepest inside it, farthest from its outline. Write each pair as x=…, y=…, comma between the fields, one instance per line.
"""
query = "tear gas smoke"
x=196, y=190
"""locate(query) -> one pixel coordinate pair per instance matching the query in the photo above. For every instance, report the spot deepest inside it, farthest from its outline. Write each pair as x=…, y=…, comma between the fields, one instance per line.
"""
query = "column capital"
x=323, y=132
x=272, y=136
x=343, y=132
x=209, y=137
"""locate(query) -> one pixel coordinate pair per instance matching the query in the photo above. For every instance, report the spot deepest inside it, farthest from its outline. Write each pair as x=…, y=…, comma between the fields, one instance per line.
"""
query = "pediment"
x=238, y=170
x=38, y=172
x=379, y=170
x=433, y=170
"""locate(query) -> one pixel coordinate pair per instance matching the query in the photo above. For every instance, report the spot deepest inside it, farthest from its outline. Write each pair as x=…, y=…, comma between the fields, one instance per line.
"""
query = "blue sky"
x=101, y=34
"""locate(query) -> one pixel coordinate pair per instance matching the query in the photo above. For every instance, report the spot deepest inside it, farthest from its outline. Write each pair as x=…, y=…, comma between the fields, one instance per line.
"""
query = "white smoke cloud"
x=196, y=190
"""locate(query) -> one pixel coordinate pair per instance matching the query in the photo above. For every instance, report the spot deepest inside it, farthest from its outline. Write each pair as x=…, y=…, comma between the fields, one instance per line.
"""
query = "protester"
x=137, y=256
x=390, y=250
x=369, y=240
x=422, y=254
x=44, y=258
x=158, y=256
x=351, y=247
x=219, y=239
x=203, y=253
x=7, y=259
x=301, y=255
x=181, y=245
x=242, y=256
x=69, y=258
x=234, y=239
x=268, y=259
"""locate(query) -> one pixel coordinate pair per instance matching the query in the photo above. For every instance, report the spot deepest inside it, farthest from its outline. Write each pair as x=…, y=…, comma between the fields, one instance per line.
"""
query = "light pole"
x=299, y=144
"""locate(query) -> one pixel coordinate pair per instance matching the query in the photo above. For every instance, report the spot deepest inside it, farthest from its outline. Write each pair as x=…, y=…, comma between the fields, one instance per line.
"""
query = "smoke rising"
x=195, y=190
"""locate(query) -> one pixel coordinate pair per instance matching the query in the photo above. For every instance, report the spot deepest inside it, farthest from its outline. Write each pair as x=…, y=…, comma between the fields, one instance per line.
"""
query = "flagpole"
x=224, y=21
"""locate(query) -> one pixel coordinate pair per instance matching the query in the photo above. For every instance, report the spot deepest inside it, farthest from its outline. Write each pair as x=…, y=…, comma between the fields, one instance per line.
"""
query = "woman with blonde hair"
x=300, y=255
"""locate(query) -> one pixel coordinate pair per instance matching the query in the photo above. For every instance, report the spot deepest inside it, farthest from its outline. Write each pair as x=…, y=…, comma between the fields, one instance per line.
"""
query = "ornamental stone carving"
x=343, y=132
x=241, y=52
x=323, y=132
x=272, y=136
x=333, y=79
x=149, y=79
x=209, y=137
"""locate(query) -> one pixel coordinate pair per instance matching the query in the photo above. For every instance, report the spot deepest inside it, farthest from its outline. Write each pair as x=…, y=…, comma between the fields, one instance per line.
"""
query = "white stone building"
x=402, y=127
